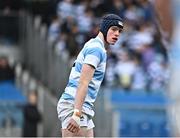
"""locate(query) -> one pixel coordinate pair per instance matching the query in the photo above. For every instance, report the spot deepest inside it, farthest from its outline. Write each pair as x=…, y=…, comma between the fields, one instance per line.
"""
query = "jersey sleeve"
x=93, y=56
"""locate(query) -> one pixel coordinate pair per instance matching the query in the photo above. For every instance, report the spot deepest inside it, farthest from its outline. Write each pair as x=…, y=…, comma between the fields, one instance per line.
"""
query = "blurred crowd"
x=138, y=61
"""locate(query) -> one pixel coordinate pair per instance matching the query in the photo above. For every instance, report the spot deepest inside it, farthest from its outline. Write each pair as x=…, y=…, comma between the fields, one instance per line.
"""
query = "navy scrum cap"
x=108, y=21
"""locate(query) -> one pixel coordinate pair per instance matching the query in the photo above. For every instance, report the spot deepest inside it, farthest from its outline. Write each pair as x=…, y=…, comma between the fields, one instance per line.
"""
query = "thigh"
x=86, y=130
x=90, y=133
x=81, y=133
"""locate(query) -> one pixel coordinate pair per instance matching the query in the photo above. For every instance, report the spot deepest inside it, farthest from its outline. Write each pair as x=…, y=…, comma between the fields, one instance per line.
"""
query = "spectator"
x=72, y=42
x=125, y=69
x=54, y=30
x=110, y=75
x=31, y=116
x=131, y=12
x=65, y=8
x=11, y=5
x=148, y=55
x=139, y=81
x=117, y=7
x=158, y=74
x=85, y=21
x=6, y=72
x=61, y=47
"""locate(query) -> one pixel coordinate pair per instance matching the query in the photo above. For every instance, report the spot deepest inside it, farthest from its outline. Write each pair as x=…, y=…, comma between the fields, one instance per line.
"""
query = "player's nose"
x=117, y=33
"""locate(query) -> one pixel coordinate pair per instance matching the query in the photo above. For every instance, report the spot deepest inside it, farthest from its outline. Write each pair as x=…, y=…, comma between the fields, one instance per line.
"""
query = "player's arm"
x=87, y=73
x=86, y=76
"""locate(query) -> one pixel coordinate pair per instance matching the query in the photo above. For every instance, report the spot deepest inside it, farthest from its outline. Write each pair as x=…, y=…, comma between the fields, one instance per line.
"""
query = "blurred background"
x=39, y=40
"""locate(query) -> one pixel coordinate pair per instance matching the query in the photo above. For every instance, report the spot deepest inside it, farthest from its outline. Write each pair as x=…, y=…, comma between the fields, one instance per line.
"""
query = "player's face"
x=113, y=34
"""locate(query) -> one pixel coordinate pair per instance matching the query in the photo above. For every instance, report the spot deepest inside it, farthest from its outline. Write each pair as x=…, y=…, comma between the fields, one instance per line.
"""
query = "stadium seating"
x=9, y=93
x=11, y=101
x=141, y=114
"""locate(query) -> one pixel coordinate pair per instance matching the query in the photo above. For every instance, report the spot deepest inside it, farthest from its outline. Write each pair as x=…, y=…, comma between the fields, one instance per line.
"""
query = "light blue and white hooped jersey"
x=93, y=53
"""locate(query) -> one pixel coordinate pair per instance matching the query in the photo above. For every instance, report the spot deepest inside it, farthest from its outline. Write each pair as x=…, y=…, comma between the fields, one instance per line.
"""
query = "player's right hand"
x=73, y=126
x=74, y=122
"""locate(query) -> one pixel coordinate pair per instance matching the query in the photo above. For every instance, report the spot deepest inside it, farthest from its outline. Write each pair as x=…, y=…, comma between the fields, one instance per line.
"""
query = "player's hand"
x=73, y=126
x=74, y=122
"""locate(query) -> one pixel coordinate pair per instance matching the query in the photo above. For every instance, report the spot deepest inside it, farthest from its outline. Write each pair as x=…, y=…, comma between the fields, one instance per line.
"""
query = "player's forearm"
x=80, y=96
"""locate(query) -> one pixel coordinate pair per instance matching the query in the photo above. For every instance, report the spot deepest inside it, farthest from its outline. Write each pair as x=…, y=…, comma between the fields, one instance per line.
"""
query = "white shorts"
x=65, y=111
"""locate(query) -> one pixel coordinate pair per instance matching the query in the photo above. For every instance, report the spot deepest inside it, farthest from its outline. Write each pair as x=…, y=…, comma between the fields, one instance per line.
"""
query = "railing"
x=39, y=56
